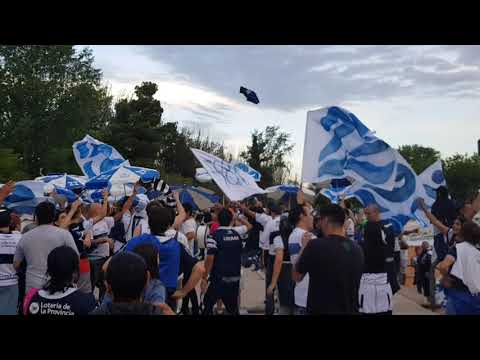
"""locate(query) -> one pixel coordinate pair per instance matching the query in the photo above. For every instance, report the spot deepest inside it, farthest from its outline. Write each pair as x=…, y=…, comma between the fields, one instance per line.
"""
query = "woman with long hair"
x=461, y=268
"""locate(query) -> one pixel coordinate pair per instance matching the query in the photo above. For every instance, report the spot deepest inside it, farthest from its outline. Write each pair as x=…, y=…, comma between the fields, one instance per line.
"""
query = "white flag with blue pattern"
x=432, y=177
x=95, y=157
x=397, y=205
x=338, y=144
x=247, y=169
x=235, y=183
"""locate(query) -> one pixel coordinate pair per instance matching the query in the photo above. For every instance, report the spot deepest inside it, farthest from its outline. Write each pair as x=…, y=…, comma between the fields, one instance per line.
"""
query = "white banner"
x=235, y=183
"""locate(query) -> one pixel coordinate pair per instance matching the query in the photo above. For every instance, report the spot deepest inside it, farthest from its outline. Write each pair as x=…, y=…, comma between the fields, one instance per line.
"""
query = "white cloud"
x=408, y=94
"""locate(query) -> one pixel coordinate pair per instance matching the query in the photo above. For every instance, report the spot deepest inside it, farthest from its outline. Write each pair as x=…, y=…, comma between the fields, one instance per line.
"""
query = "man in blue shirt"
x=174, y=258
x=223, y=263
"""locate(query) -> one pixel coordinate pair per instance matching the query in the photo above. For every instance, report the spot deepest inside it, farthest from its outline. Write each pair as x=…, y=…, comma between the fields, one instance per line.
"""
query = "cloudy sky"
x=425, y=95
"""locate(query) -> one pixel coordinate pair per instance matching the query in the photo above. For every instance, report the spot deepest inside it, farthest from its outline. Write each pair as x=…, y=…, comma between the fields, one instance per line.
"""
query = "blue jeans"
x=8, y=300
x=462, y=302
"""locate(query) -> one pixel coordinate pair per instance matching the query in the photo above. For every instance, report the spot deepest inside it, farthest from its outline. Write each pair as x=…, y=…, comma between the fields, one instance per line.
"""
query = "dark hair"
x=149, y=253
x=188, y=208
x=442, y=192
x=258, y=209
x=207, y=217
x=471, y=232
x=5, y=218
x=225, y=217
x=127, y=276
x=45, y=213
x=334, y=213
x=275, y=208
x=160, y=219
x=294, y=214
x=62, y=264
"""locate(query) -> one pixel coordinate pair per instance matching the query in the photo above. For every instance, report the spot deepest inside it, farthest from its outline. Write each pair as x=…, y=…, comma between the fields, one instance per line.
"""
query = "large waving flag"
x=95, y=157
x=235, y=183
x=338, y=145
x=432, y=177
x=121, y=176
x=397, y=205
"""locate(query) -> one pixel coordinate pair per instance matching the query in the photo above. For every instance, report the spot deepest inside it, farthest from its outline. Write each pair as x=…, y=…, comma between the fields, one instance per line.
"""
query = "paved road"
x=405, y=302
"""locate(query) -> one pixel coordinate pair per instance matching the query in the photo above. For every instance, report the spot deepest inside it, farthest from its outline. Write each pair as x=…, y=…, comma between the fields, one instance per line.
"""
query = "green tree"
x=9, y=169
x=419, y=157
x=50, y=96
x=462, y=173
x=136, y=128
x=268, y=154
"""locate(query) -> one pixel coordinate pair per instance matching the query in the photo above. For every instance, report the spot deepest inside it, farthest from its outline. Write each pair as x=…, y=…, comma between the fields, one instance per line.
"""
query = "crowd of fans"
x=147, y=252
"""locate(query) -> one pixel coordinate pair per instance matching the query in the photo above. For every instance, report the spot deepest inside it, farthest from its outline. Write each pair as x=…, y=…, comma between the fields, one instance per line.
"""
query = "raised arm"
x=300, y=197
x=105, y=202
x=247, y=211
x=244, y=222
x=182, y=215
x=435, y=222
x=127, y=205
x=65, y=222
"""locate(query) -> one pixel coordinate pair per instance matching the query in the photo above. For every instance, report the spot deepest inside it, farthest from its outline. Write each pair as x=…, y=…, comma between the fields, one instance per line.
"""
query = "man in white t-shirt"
x=189, y=226
x=8, y=274
x=189, y=229
x=98, y=236
x=301, y=217
x=262, y=219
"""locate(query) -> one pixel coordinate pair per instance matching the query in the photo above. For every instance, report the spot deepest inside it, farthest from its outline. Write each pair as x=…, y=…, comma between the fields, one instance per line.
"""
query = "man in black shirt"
x=379, y=241
x=334, y=264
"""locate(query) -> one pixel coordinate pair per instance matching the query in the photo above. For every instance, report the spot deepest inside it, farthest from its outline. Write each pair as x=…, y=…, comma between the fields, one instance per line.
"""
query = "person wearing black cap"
x=8, y=276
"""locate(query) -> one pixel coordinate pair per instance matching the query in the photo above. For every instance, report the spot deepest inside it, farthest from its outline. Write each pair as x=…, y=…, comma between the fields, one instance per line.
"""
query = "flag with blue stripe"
x=432, y=177
x=95, y=157
x=339, y=145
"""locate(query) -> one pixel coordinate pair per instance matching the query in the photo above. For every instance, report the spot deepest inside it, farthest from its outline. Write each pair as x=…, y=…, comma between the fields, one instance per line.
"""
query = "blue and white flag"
x=199, y=197
x=95, y=157
x=335, y=194
x=121, y=176
x=397, y=205
x=235, y=183
x=247, y=169
x=432, y=177
x=338, y=145
x=64, y=181
x=26, y=196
